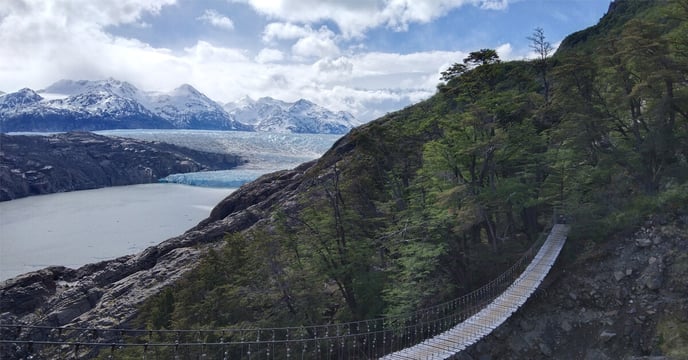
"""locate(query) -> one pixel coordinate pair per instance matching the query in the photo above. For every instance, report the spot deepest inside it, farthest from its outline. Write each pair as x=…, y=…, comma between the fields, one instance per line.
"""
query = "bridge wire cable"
x=465, y=306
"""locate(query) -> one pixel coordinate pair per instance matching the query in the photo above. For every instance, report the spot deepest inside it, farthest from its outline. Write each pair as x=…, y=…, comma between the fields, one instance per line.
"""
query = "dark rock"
x=653, y=275
x=595, y=354
x=607, y=335
x=25, y=293
x=526, y=325
x=545, y=349
x=657, y=239
x=516, y=344
x=643, y=242
x=33, y=165
x=566, y=326
x=464, y=356
x=108, y=294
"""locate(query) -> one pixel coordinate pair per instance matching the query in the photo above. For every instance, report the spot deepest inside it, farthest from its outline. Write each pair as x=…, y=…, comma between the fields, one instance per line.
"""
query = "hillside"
x=434, y=200
x=35, y=165
x=427, y=203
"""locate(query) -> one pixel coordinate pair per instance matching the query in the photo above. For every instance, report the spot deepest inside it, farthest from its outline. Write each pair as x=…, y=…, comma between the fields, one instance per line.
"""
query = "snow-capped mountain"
x=21, y=98
x=109, y=98
x=110, y=86
x=87, y=105
x=112, y=104
x=302, y=116
x=187, y=108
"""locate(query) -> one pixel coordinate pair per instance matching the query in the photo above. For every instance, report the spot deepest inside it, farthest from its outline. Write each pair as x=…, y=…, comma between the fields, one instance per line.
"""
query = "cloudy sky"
x=363, y=56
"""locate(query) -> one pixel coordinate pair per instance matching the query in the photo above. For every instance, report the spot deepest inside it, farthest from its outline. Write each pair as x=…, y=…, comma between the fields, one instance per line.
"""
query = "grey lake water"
x=76, y=228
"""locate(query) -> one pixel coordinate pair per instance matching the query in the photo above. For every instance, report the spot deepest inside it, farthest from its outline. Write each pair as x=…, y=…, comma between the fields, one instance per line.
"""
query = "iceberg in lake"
x=220, y=179
x=265, y=152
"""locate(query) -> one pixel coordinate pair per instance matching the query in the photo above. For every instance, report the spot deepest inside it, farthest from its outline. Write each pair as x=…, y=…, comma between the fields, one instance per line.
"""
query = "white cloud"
x=505, y=51
x=44, y=41
x=104, y=13
x=494, y=4
x=354, y=17
x=309, y=43
x=285, y=31
x=317, y=44
x=41, y=40
x=340, y=66
x=204, y=52
x=216, y=19
x=268, y=55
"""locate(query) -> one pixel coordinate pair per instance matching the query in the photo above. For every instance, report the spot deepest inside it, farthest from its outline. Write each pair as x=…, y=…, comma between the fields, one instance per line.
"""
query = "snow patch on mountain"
x=187, y=108
x=113, y=104
x=21, y=98
x=272, y=115
x=111, y=86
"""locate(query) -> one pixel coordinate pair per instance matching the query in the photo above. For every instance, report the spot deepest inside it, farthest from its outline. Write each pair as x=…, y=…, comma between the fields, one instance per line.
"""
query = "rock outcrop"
x=623, y=299
x=34, y=165
x=107, y=294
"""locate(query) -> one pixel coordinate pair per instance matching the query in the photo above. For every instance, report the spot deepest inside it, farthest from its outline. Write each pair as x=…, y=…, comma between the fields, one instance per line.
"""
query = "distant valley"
x=69, y=105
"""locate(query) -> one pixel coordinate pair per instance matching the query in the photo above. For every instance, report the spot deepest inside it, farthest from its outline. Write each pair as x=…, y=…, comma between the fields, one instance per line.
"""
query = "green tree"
x=482, y=57
x=338, y=238
x=644, y=80
x=543, y=49
x=453, y=72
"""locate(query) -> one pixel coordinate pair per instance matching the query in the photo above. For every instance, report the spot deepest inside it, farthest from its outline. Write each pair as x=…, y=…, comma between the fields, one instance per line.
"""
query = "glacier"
x=264, y=152
x=217, y=179
x=73, y=232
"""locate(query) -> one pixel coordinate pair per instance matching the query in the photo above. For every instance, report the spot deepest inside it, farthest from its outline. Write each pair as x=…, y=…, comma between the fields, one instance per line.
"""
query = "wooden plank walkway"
x=494, y=314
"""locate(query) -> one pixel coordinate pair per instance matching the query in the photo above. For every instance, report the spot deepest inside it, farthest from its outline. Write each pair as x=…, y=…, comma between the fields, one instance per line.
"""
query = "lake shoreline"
x=45, y=164
x=88, y=226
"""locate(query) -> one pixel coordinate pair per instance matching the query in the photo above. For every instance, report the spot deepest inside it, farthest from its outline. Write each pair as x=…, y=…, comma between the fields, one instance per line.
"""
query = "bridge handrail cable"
x=405, y=328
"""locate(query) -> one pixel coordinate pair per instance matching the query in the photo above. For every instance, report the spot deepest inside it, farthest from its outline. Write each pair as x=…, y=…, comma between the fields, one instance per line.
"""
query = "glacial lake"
x=76, y=228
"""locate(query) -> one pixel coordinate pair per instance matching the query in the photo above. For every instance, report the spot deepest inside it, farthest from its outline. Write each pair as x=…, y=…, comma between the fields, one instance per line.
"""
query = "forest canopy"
x=439, y=198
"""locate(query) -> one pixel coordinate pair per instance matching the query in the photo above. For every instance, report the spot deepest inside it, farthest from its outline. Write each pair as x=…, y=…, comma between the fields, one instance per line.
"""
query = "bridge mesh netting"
x=437, y=332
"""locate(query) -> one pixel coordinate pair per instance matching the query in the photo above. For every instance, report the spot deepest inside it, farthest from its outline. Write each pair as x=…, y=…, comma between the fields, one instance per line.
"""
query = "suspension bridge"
x=438, y=332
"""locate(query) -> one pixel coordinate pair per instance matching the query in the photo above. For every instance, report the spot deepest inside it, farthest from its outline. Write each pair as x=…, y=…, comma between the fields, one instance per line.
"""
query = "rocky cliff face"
x=33, y=165
x=624, y=299
x=107, y=294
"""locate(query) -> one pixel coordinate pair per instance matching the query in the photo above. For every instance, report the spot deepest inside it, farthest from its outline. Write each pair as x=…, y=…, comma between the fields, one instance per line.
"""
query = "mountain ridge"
x=272, y=115
x=85, y=105
x=429, y=202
